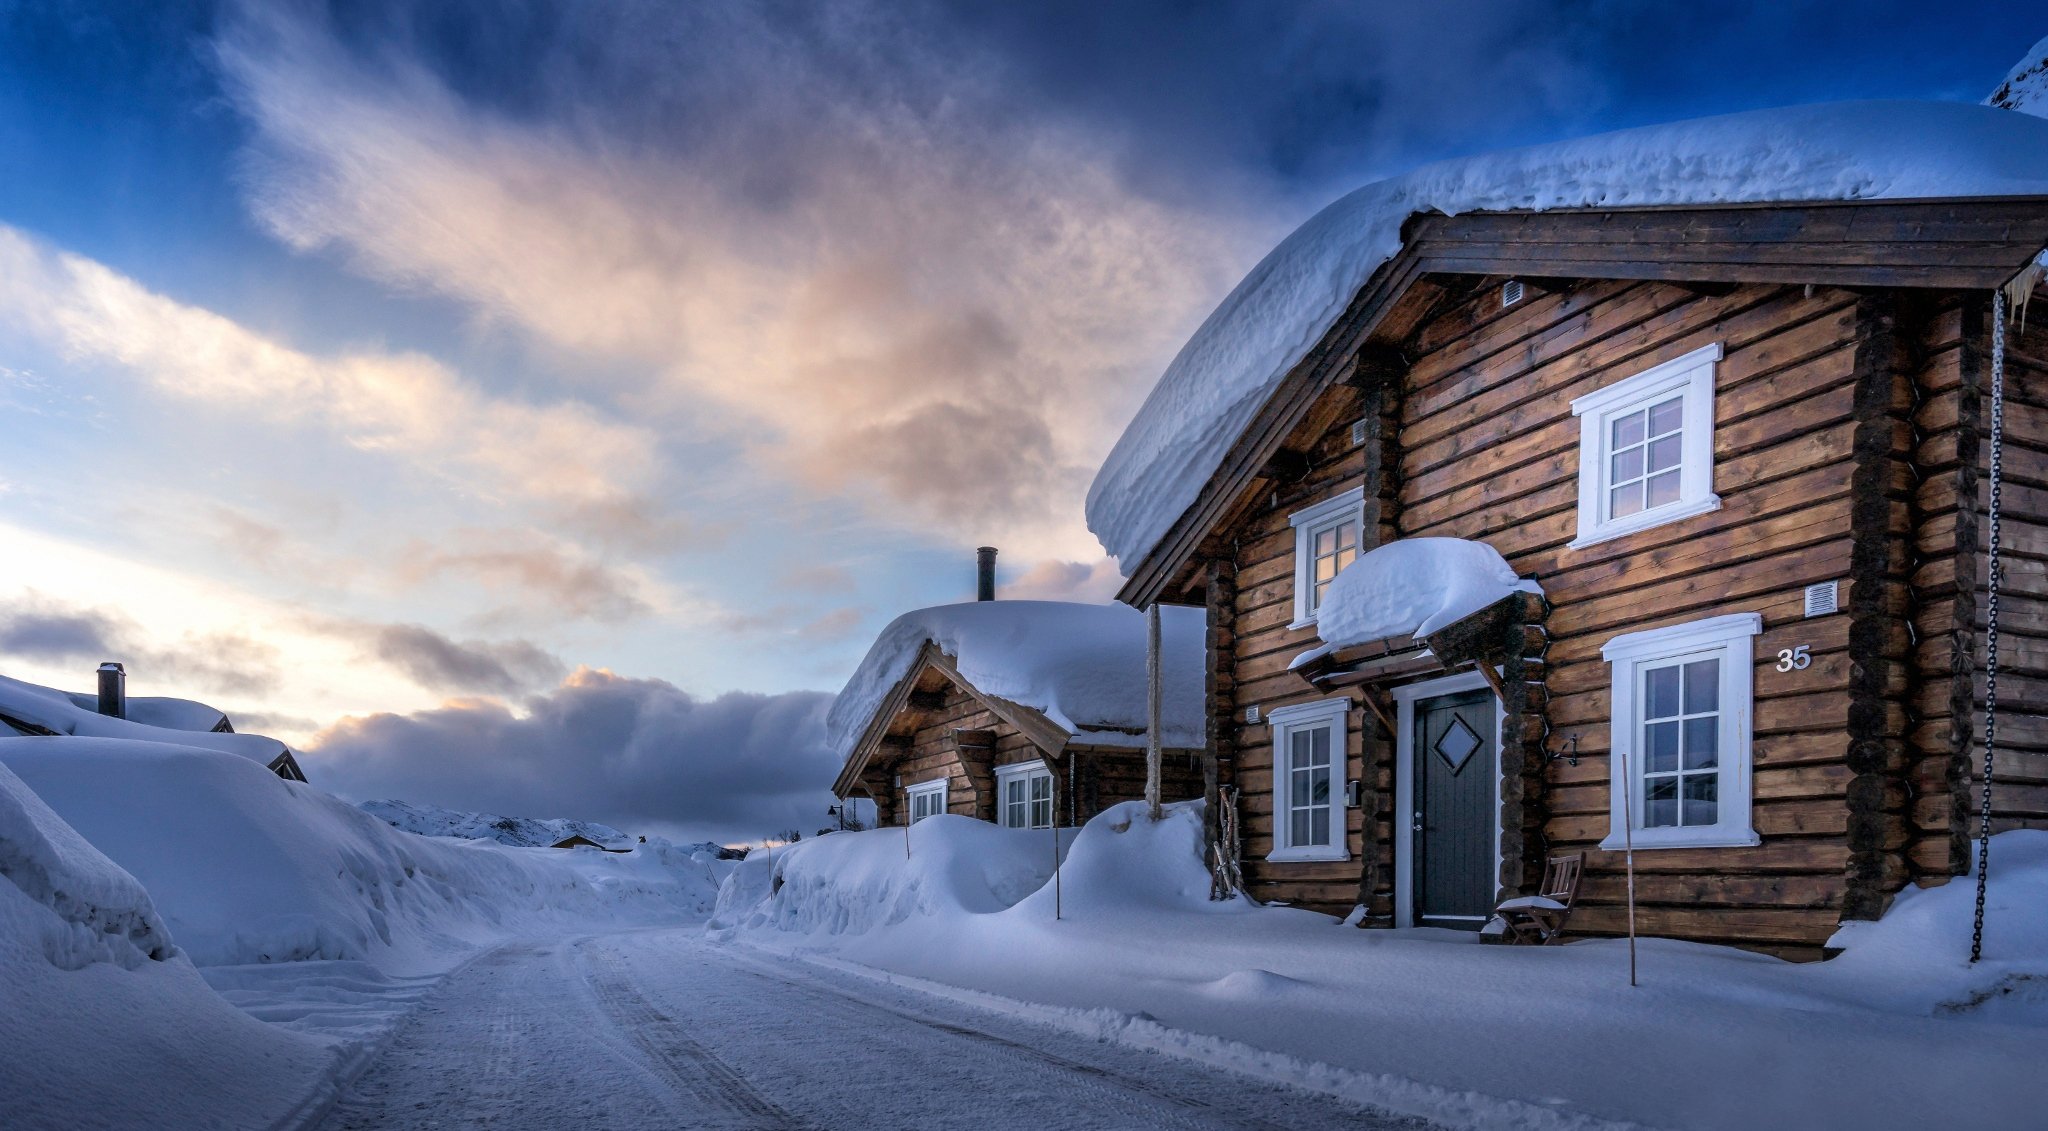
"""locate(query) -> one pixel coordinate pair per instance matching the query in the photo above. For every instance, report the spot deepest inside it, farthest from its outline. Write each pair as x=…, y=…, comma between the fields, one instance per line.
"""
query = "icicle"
x=2019, y=289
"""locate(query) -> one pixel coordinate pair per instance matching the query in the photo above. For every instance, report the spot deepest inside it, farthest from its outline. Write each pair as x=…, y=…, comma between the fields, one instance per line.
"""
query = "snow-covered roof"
x=159, y=711
x=1225, y=374
x=1412, y=587
x=2026, y=87
x=61, y=712
x=1081, y=666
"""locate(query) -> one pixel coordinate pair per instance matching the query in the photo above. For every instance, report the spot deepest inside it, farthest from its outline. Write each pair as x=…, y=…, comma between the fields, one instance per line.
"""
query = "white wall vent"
x=1510, y=292
x=1358, y=432
x=1251, y=714
x=1820, y=599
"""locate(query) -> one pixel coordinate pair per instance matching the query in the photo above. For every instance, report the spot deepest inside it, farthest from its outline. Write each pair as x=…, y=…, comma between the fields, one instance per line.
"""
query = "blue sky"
x=396, y=358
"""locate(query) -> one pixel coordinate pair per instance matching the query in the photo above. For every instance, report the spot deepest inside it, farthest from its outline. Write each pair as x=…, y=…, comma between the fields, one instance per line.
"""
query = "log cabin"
x=31, y=710
x=1719, y=443
x=1027, y=714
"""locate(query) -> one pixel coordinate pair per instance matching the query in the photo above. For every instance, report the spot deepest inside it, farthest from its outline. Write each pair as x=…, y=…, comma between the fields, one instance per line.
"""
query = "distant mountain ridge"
x=519, y=832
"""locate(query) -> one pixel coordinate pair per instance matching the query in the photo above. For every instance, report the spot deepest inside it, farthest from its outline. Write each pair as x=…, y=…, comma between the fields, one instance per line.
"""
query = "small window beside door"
x=1308, y=781
x=926, y=799
x=1327, y=538
x=1646, y=449
x=1681, y=734
x=1024, y=796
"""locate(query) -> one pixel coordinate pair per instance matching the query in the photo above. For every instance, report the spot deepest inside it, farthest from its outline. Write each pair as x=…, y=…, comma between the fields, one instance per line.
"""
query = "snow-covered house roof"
x=45, y=710
x=1081, y=668
x=1225, y=376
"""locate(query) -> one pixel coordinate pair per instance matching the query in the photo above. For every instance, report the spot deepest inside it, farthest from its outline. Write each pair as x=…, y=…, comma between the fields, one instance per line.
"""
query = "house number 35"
x=1794, y=659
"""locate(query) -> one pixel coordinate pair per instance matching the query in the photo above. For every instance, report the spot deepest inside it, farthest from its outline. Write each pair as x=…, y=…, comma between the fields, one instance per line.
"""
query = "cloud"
x=824, y=578
x=37, y=629
x=638, y=754
x=567, y=582
x=1052, y=580
x=435, y=662
x=870, y=271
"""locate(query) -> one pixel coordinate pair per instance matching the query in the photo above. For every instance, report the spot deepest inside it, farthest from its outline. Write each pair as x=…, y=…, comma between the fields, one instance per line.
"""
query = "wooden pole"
x=1628, y=842
x=1056, y=865
x=1152, y=710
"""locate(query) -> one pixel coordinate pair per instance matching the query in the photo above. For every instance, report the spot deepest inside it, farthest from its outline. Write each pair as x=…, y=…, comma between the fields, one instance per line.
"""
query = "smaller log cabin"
x=30, y=710
x=1027, y=714
x=1743, y=449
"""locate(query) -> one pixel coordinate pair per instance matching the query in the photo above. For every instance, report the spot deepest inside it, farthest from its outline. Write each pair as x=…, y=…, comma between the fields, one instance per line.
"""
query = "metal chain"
x=1991, y=617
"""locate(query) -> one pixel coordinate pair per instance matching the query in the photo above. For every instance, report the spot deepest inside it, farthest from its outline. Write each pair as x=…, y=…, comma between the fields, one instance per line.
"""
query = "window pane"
x=1667, y=416
x=1319, y=787
x=1347, y=536
x=1319, y=746
x=1625, y=465
x=1664, y=453
x=1663, y=489
x=1298, y=828
x=1702, y=686
x=1041, y=787
x=1660, y=807
x=1326, y=568
x=1702, y=795
x=1628, y=431
x=1319, y=826
x=1702, y=743
x=1298, y=747
x=1326, y=543
x=1660, y=692
x=1624, y=501
x=1346, y=556
x=1660, y=742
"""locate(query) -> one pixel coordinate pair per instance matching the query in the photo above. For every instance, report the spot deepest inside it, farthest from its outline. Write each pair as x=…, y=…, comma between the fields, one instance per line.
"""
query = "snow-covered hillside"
x=519, y=832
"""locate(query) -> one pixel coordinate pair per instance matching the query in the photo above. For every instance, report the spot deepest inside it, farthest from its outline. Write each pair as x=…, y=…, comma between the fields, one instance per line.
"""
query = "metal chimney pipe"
x=113, y=690
x=985, y=573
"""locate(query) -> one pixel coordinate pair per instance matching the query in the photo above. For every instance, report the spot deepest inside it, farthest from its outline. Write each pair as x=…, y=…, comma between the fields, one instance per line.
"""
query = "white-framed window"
x=1308, y=780
x=1681, y=734
x=925, y=799
x=1327, y=537
x=1646, y=448
x=1024, y=796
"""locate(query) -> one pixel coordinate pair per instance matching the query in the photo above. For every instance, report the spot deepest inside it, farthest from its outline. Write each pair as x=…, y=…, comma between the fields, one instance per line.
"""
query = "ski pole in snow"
x=1152, y=754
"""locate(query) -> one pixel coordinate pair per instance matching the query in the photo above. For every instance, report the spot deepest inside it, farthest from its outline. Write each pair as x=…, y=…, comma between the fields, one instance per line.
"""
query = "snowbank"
x=519, y=832
x=246, y=867
x=851, y=883
x=1414, y=587
x=103, y=1023
x=1082, y=666
x=1230, y=368
x=60, y=711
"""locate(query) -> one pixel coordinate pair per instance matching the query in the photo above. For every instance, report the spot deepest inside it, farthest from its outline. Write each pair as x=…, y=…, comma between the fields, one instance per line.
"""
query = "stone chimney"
x=113, y=690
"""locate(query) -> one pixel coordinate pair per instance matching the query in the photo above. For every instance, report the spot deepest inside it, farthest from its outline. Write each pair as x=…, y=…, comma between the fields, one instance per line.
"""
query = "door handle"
x=1417, y=826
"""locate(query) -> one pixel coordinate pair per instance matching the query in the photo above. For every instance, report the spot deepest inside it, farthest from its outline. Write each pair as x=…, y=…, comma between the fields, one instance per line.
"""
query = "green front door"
x=1453, y=822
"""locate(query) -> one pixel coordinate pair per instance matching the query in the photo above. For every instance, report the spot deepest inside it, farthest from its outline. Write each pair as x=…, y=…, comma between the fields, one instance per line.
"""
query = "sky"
x=539, y=405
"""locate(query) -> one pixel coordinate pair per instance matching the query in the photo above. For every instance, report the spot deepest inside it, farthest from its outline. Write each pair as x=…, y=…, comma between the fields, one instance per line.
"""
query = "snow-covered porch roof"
x=1869, y=193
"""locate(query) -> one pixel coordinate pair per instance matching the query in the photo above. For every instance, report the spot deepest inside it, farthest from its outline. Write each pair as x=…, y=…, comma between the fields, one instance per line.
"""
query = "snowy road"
x=659, y=1029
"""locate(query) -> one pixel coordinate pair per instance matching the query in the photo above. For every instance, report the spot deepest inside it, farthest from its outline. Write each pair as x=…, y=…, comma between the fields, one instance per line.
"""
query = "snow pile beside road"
x=246, y=867
x=852, y=883
x=103, y=1022
x=1082, y=666
x=1414, y=587
x=1226, y=373
x=519, y=832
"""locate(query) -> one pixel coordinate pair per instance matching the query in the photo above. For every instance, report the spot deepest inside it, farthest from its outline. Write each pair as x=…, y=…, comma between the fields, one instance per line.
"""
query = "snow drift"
x=1082, y=666
x=1225, y=374
x=1414, y=587
x=245, y=867
x=103, y=1022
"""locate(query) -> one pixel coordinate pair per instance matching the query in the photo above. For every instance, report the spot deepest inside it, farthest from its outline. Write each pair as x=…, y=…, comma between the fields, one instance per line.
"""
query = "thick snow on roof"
x=1413, y=587
x=158, y=711
x=1228, y=370
x=1082, y=666
x=2026, y=88
x=60, y=711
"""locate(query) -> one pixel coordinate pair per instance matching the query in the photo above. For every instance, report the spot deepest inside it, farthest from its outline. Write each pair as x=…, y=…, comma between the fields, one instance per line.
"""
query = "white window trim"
x=1336, y=713
x=937, y=786
x=1694, y=374
x=1026, y=770
x=1306, y=522
x=1732, y=635
x=1405, y=698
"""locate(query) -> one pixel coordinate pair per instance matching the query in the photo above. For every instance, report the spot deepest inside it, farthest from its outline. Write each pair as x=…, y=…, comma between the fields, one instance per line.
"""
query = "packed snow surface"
x=73, y=714
x=519, y=832
x=1414, y=587
x=2026, y=88
x=1226, y=373
x=1428, y=1021
x=1082, y=666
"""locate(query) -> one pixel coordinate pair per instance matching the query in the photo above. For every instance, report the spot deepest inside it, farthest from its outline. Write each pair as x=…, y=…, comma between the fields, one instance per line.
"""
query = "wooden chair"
x=1540, y=918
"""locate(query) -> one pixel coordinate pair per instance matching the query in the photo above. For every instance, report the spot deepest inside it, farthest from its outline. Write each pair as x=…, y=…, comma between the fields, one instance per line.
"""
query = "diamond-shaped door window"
x=1457, y=744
